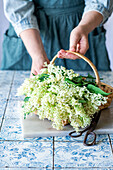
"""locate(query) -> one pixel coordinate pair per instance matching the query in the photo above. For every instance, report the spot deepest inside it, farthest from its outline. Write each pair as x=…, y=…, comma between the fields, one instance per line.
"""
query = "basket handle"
x=88, y=61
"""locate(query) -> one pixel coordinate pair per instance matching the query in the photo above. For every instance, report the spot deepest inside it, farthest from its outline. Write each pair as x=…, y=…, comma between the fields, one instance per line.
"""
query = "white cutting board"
x=32, y=126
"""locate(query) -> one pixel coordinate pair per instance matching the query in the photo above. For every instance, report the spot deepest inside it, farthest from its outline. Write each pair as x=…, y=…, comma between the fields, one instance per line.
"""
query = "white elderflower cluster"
x=51, y=97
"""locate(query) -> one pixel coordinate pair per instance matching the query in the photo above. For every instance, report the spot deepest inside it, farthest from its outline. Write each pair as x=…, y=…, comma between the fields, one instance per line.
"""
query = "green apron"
x=56, y=20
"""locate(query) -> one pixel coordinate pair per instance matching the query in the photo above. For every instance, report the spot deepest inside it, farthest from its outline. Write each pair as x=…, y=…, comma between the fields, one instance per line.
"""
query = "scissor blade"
x=95, y=119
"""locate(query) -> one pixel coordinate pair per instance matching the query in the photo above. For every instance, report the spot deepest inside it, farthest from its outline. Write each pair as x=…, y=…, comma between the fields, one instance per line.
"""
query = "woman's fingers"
x=79, y=40
x=84, y=45
x=47, y=60
x=72, y=56
x=78, y=43
x=78, y=48
x=81, y=47
x=63, y=54
x=33, y=72
x=74, y=40
x=38, y=64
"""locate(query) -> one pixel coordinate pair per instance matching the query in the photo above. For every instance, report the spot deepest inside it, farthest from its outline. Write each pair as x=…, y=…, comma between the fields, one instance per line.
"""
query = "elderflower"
x=51, y=97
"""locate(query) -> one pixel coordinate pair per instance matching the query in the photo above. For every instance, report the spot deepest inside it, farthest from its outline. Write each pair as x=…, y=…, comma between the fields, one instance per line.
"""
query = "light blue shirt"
x=20, y=12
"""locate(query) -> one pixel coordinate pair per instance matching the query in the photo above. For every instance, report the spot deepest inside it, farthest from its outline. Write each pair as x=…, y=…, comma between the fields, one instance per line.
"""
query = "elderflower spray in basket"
x=62, y=96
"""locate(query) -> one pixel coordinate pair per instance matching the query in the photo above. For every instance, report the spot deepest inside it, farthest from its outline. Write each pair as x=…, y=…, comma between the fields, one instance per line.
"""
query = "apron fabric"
x=56, y=20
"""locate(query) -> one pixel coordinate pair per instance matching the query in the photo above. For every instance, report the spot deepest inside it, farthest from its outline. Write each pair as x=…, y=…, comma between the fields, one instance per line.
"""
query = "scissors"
x=89, y=130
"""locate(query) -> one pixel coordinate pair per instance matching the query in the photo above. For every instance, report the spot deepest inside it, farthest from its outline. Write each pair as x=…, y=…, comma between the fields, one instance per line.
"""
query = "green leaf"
x=90, y=76
x=53, y=74
x=82, y=101
x=70, y=82
x=33, y=74
x=96, y=90
x=78, y=79
x=24, y=115
x=26, y=99
x=63, y=72
x=42, y=77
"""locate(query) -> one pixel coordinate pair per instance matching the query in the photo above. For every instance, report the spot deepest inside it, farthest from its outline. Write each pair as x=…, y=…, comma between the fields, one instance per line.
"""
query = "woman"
x=46, y=27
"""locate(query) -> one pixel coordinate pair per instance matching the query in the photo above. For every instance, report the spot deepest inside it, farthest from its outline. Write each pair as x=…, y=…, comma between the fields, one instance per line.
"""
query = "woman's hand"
x=35, y=48
x=38, y=64
x=79, y=35
x=78, y=43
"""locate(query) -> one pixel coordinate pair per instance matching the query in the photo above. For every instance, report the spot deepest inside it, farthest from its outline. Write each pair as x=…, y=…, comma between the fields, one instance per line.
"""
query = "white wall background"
x=108, y=26
x=109, y=38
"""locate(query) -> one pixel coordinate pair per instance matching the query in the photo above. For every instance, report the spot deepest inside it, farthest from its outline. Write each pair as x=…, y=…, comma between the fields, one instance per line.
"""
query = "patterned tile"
x=4, y=94
x=107, y=77
x=11, y=130
x=75, y=154
x=32, y=153
x=5, y=83
x=20, y=168
x=111, y=137
x=47, y=168
x=2, y=107
x=13, y=94
x=13, y=110
x=5, y=77
x=20, y=76
x=99, y=138
x=83, y=168
x=25, y=154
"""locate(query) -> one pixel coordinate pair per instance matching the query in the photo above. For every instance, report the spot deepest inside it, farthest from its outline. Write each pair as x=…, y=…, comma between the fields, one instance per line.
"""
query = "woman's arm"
x=34, y=46
x=79, y=35
x=20, y=14
x=95, y=13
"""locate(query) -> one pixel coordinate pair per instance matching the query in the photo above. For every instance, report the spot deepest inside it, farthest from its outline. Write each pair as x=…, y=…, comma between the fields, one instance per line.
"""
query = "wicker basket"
x=103, y=86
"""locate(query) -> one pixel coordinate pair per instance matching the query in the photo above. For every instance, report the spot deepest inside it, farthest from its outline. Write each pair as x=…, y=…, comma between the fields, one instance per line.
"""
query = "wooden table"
x=44, y=152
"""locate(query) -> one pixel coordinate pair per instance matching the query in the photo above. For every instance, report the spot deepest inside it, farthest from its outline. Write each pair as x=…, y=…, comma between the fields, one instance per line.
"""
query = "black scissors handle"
x=78, y=134
x=89, y=130
x=85, y=142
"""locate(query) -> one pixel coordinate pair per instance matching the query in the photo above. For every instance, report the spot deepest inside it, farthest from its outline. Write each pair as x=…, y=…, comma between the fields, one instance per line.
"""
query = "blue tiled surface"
x=70, y=154
x=83, y=168
x=111, y=139
x=38, y=153
x=100, y=138
x=2, y=108
x=11, y=127
x=11, y=130
x=111, y=136
x=25, y=154
x=6, y=78
x=13, y=94
x=12, y=110
x=20, y=77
